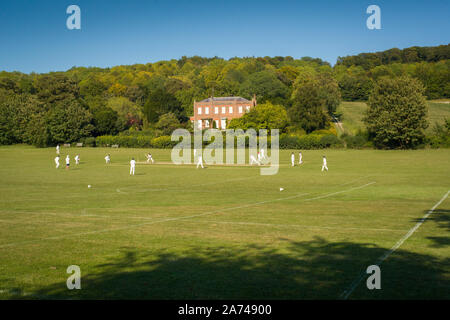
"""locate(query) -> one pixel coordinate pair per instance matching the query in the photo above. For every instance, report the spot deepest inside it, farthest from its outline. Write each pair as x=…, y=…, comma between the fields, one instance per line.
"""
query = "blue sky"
x=34, y=36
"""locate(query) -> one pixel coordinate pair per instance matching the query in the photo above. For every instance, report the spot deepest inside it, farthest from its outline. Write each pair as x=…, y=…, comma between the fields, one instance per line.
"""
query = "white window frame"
x=216, y=110
x=230, y=109
x=240, y=109
x=199, y=110
x=206, y=110
x=224, y=110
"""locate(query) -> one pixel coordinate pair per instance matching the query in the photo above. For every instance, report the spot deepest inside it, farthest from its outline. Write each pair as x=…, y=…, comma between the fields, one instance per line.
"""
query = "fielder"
x=253, y=160
x=132, y=166
x=57, y=149
x=149, y=158
x=293, y=159
x=263, y=156
x=77, y=159
x=324, y=165
x=300, y=157
x=67, y=162
x=57, y=162
x=107, y=159
x=200, y=161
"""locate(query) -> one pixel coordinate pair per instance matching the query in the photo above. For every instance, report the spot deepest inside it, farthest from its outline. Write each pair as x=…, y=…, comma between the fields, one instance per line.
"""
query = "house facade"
x=216, y=112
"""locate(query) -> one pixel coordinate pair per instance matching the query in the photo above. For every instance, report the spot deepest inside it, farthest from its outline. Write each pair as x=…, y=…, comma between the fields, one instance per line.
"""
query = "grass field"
x=352, y=113
x=175, y=232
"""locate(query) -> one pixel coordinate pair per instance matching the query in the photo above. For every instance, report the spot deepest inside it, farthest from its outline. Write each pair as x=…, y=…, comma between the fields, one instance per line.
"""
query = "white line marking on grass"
x=346, y=293
x=298, y=226
x=184, y=187
x=187, y=217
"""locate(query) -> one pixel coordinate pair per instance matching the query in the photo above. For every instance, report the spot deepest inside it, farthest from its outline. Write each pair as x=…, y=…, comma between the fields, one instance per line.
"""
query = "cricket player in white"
x=324, y=165
x=57, y=149
x=293, y=159
x=77, y=159
x=263, y=156
x=132, y=166
x=57, y=162
x=150, y=158
x=108, y=158
x=200, y=161
x=253, y=160
x=67, y=162
x=300, y=157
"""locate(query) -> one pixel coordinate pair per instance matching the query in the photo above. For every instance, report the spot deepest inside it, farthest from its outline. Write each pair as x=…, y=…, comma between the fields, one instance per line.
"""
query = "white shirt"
x=324, y=161
x=57, y=160
x=76, y=158
x=133, y=163
x=292, y=157
x=67, y=160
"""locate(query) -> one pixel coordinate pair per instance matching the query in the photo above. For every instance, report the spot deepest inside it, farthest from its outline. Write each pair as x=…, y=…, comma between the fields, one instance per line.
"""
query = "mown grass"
x=352, y=113
x=175, y=232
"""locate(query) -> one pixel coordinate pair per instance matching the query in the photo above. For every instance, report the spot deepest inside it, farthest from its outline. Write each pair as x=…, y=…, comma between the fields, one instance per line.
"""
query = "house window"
x=199, y=124
x=224, y=110
x=206, y=123
x=216, y=110
x=216, y=123
x=240, y=109
x=223, y=123
x=199, y=110
x=206, y=110
x=230, y=110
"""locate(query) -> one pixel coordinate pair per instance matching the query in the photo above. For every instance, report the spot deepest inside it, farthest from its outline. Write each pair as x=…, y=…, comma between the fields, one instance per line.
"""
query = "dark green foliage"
x=308, y=109
x=263, y=116
x=408, y=55
x=167, y=123
x=396, y=117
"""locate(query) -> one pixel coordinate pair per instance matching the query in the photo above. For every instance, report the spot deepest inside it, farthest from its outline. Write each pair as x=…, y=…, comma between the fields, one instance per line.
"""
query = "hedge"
x=306, y=142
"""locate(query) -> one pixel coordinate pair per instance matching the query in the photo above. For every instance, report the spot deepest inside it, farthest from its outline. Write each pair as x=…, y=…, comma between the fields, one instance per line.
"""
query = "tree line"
x=298, y=96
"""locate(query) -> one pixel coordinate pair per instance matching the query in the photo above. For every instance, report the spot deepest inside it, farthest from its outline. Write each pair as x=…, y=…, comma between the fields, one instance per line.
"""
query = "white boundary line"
x=346, y=293
x=305, y=226
x=187, y=217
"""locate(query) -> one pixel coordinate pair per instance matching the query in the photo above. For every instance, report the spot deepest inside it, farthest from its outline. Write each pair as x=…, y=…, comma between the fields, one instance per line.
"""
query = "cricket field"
x=224, y=232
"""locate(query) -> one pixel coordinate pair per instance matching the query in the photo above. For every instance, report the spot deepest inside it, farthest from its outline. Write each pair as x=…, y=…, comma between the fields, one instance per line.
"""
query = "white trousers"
x=324, y=167
x=199, y=163
x=132, y=170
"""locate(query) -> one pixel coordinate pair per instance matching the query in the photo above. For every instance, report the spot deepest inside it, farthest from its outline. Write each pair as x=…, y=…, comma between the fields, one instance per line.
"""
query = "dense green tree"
x=160, y=102
x=266, y=86
x=69, y=122
x=167, y=123
x=308, y=109
x=396, y=117
x=263, y=116
x=107, y=122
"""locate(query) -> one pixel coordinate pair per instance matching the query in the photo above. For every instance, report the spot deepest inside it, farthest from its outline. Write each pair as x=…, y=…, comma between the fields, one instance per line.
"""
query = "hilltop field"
x=351, y=114
x=177, y=232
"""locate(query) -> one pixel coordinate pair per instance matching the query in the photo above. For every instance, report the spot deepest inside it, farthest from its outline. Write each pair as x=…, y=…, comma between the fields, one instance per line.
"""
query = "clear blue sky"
x=34, y=37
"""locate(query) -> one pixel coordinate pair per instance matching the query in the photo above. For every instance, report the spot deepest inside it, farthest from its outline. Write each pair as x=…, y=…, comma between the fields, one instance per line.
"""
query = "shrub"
x=163, y=142
x=89, y=142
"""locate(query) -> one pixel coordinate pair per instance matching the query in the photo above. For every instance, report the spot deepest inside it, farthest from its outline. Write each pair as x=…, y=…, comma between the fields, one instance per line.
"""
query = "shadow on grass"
x=314, y=269
x=441, y=217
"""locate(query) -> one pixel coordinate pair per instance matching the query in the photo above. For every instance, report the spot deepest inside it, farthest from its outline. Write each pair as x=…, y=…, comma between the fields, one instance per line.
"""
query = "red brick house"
x=216, y=112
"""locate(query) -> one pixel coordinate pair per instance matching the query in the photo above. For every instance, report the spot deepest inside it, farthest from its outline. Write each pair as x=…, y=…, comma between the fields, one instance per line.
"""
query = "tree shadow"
x=314, y=269
x=441, y=217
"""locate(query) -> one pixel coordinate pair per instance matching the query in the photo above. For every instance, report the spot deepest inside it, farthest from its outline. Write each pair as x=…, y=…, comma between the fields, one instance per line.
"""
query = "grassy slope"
x=177, y=232
x=353, y=112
